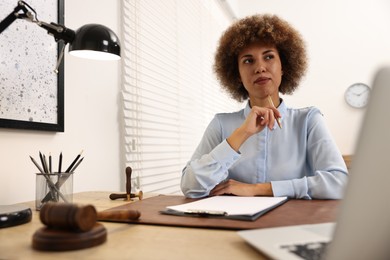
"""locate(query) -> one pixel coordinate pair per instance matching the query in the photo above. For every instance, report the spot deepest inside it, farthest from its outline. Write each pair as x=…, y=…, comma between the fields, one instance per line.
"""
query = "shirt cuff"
x=283, y=188
x=225, y=155
x=291, y=188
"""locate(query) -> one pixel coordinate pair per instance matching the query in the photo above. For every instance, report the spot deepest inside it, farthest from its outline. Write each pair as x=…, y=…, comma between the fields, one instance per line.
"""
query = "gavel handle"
x=115, y=196
x=128, y=181
x=118, y=215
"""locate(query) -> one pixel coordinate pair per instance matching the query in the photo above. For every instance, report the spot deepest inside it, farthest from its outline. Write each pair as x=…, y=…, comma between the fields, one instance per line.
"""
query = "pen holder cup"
x=53, y=187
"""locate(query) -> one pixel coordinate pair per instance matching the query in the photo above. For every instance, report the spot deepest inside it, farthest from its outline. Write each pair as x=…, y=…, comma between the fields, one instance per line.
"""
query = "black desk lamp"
x=92, y=41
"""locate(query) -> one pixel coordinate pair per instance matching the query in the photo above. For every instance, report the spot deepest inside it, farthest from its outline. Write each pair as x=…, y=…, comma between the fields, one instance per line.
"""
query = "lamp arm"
x=102, y=38
x=13, y=16
x=59, y=32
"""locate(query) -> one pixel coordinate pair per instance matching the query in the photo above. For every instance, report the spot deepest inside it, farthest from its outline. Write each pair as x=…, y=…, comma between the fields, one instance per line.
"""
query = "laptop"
x=363, y=224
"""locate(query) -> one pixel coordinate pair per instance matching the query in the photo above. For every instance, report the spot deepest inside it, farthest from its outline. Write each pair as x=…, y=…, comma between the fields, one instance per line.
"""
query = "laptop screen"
x=363, y=226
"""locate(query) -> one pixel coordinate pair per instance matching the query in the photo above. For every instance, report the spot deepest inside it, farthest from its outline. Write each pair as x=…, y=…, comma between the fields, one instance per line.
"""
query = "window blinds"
x=170, y=93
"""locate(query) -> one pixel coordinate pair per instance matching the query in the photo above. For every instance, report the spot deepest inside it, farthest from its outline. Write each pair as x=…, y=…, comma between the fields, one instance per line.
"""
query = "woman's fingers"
x=266, y=116
x=220, y=189
x=233, y=187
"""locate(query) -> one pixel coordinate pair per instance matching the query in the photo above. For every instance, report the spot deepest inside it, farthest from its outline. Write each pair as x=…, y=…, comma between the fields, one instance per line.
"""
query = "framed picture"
x=31, y=92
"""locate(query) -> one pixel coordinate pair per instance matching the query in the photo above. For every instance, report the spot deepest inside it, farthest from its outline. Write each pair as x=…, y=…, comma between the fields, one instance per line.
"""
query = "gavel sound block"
x=69, y=226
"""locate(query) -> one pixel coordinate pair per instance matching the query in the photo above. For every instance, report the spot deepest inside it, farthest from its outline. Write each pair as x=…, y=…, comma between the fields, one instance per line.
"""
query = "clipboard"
x=292, y=212
x=227, y=207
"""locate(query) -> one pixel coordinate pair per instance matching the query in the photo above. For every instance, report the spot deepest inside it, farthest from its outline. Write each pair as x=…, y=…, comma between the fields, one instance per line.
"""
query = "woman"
x=266, y=149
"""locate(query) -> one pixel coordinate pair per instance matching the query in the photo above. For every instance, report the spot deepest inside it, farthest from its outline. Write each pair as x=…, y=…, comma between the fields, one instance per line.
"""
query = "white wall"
x=92, y=119
x=347, y=41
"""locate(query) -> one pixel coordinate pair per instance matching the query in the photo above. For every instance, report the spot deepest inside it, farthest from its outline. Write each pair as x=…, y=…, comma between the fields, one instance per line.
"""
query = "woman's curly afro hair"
x=268, y=30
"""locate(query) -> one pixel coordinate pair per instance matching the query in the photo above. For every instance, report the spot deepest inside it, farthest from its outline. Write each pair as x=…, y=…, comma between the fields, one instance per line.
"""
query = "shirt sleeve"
x=209, y=165
x=327, y=176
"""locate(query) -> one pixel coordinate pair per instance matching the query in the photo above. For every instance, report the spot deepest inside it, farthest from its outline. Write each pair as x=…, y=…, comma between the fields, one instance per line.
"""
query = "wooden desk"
x=131, y=241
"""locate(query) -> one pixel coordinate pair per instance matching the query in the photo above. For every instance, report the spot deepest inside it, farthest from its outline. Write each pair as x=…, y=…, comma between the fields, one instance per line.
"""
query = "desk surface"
x=131, y=241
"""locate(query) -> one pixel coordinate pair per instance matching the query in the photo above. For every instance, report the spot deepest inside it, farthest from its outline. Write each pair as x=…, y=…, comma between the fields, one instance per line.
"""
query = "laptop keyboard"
x=309, y=251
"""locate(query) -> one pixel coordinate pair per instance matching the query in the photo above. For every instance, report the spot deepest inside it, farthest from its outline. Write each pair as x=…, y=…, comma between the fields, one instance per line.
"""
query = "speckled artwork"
x=28, y=56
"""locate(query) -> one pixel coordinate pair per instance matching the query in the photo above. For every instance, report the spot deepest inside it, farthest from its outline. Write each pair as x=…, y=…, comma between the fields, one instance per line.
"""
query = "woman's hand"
x=242, y=189
x=257, y=119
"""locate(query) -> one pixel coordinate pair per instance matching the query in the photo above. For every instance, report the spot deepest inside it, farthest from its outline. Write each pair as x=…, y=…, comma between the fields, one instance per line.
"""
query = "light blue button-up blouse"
x=301, y=160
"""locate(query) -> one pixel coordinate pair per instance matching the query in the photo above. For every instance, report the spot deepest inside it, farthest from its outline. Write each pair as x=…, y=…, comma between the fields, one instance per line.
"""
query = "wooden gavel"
x=70, y=216
x=128, y=195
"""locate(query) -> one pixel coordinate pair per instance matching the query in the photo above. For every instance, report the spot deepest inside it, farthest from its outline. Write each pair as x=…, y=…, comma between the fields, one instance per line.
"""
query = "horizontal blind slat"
x=169, y=91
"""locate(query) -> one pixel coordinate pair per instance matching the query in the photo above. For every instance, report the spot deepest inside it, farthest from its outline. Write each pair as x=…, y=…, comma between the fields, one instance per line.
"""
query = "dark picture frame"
x=33, y=98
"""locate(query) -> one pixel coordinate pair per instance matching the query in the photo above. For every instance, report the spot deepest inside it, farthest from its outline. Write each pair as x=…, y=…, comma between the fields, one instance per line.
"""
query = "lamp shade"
x=95, y=41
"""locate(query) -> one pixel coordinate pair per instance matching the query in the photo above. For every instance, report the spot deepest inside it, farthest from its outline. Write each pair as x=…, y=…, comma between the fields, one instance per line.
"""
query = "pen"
x=74, y=162
x=206, y=212
x=277, y=119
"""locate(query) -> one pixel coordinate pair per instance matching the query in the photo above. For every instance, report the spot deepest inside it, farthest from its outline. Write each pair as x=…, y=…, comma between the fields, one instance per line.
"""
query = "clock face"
x=357, y=95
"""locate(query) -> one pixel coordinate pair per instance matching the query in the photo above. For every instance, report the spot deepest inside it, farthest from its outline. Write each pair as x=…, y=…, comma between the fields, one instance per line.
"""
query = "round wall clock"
x=357, y=95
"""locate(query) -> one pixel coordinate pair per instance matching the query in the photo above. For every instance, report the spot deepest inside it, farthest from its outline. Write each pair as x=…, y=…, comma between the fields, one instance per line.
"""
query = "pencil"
x=45, y=164
x=277, y=119
x=60, y=163
x=36, y=164
x=74, y=162
x=50, y=163
x=77, y=164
